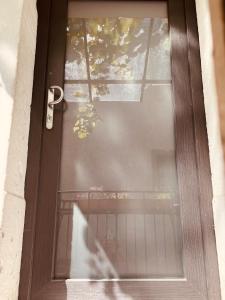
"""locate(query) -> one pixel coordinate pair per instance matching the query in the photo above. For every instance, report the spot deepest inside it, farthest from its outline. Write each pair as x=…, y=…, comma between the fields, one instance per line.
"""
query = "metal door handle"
x=51, y=103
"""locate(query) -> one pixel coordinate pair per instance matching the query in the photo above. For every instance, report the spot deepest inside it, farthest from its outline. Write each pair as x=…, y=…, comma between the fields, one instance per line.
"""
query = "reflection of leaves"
x=86, y=120
x=111, y=42
x=112, y=45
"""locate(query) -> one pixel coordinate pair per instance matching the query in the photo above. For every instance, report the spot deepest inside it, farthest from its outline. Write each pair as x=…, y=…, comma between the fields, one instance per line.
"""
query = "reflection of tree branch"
x=114, y=48
x=110, y=40
x=106, y=43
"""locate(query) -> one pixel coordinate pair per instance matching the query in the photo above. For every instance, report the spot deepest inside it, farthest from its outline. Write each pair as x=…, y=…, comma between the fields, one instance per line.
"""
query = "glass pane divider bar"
x=87, y=60
x=146, y=58
x=111, y=81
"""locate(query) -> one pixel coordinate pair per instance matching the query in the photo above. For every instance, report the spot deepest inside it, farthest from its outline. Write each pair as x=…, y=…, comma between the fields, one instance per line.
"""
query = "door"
x=118, y=214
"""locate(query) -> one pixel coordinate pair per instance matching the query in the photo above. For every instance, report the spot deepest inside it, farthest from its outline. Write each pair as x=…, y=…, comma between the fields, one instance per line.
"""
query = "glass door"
x=118, y=202
x=117, y=213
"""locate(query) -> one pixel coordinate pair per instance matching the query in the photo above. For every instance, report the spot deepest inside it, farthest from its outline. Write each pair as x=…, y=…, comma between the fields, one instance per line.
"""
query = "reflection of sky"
x=159, y=66
x=74, y=70
x=117, y=92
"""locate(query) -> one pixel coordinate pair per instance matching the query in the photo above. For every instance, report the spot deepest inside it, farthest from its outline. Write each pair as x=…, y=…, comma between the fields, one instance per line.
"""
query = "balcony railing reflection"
x=136, y=234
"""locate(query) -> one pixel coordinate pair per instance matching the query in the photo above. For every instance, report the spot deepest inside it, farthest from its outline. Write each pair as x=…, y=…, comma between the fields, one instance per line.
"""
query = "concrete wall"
x=18, y=22
x=211, y=34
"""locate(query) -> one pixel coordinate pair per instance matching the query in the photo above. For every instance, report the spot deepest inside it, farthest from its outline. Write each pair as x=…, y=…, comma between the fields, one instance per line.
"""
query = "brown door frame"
x=194, y=86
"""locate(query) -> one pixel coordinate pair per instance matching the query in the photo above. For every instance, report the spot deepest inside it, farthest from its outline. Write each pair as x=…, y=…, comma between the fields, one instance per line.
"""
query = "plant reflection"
x=112, y=59
x=107, y=46
x=86, y=120
x=112, y=44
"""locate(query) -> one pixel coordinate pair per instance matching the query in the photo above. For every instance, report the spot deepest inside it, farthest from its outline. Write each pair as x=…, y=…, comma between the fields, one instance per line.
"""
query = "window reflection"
x=115, y=57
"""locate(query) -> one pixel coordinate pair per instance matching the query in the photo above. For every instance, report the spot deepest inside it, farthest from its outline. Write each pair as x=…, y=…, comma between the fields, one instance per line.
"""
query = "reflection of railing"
x=118, y=202
x=139, y=232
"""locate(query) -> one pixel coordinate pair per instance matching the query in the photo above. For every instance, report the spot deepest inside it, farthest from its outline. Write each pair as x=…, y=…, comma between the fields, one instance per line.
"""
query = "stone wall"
x=18, y=22
x=211, y=34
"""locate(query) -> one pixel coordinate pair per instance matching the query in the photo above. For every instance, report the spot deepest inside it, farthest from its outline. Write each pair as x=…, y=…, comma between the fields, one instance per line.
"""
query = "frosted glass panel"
x=120, y=152
x=118, y=201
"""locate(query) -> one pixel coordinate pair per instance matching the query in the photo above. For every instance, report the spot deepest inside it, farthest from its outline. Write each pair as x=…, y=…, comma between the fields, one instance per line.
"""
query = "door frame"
x=201, y=149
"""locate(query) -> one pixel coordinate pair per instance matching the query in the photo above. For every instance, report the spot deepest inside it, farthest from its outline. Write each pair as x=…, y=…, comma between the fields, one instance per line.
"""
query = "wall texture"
x=211, y=34
x=217, y=10
x=18, y=22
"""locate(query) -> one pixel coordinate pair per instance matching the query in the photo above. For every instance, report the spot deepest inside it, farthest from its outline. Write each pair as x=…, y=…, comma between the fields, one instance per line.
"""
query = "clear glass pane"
x=118, y=203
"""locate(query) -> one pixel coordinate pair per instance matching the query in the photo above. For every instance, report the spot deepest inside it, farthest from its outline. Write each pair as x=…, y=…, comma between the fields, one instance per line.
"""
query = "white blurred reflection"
x=88, y=258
